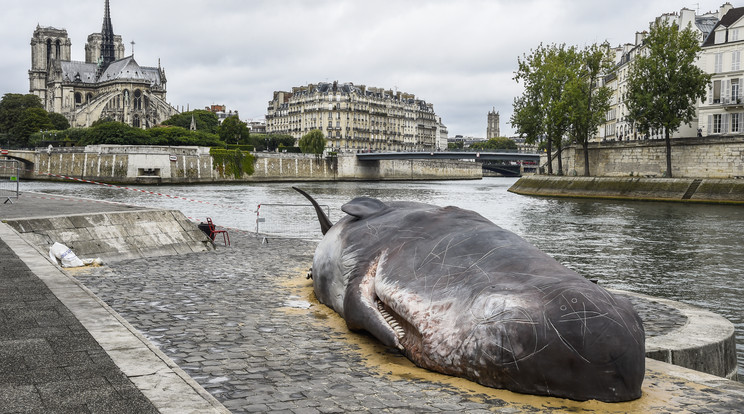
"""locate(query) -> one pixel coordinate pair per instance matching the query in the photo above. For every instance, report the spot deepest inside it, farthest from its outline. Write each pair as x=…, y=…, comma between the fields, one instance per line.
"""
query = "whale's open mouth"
x=391, y=320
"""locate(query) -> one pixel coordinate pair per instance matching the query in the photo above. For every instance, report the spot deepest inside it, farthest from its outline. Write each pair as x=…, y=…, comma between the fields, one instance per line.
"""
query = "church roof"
x=122, y=69
x=78, y=71
x=128, y=69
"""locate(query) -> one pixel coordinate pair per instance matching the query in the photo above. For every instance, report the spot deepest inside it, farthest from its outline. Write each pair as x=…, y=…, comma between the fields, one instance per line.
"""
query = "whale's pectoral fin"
x=362, y=207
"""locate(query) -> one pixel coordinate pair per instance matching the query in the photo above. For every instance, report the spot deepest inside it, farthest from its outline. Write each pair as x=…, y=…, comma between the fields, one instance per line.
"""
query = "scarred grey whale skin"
x=459, y=295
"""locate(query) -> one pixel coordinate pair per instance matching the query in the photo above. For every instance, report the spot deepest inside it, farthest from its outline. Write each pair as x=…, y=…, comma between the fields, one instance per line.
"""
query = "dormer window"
x=720, y=36
x=733, y=35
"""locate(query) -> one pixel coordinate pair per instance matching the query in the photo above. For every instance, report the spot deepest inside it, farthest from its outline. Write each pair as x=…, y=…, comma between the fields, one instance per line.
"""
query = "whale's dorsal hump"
x=362, y=207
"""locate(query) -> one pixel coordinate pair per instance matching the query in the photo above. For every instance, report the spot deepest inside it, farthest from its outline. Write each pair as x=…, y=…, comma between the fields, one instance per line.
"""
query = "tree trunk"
x=668, y=153
x=550, y=156
x=559, y=151
x=586, y=157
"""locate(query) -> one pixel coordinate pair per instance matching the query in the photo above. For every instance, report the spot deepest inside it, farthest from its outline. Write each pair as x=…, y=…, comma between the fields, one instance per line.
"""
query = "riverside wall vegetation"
x=165, y=165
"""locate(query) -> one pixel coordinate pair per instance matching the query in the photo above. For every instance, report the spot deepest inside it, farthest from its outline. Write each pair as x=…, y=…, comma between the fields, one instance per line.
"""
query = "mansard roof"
x=731, y=17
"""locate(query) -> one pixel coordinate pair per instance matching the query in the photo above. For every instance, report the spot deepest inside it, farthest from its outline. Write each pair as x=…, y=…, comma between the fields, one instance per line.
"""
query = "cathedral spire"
x=107, y=34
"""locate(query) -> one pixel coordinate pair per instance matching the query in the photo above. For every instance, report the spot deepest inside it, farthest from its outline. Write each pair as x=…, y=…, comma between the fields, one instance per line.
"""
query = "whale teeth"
x=391, y=321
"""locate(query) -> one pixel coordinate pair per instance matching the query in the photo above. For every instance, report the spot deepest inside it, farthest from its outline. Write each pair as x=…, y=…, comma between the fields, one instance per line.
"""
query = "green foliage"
x=103, y=120
x=560, y=98
x=588, y=102
x=233, y=130
x=59, y=122
x=270, y=142
x=115, y=133
x=31, y=120
x=241, y=147
x=12, y=106
x=42, y=138
x=205, y=120
x=495, y=143
x=455, y=145
x=295, y=150
x=313, y=142
x=177, y=136
x=664, y=83
x=232, y=162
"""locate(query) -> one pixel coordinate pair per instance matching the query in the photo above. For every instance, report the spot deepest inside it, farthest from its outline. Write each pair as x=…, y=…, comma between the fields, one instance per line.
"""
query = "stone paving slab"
x=48, y=360
x=243, y=322
x=64, y=350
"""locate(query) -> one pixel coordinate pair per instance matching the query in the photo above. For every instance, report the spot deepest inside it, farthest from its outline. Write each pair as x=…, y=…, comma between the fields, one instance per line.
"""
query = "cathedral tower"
x=48, y=45
x=492, y=131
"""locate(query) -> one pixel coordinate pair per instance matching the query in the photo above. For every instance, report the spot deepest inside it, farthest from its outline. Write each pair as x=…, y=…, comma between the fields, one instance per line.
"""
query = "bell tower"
x=48, y=45
x=492, y=131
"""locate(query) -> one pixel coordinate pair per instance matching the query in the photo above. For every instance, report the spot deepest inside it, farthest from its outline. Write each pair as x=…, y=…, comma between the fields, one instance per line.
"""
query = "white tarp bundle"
x=68, y=258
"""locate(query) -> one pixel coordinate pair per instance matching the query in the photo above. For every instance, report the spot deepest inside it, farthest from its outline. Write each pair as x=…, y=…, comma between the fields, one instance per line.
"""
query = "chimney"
x=725, y=8
x=639, y=37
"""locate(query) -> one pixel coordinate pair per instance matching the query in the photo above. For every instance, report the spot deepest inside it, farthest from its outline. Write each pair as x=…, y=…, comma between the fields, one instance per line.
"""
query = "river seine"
x=686, y=252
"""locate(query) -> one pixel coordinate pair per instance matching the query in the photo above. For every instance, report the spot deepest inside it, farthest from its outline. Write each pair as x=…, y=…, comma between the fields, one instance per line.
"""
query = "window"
x=735, y=122
x=717, y=123
x=733, y=35
x=735, y=60
x=137, y=99
x=734, y=90
x=716, y=91
x=718, y=64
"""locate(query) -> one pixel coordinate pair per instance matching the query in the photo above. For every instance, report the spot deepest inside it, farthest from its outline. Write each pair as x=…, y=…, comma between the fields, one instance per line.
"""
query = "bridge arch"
x=27, y=167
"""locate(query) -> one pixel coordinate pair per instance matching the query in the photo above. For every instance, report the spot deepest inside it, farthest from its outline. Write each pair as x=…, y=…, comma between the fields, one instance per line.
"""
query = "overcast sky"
x=459, y=55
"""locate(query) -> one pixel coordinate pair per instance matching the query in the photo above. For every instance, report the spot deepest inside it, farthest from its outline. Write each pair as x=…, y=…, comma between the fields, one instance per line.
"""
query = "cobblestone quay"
x=243, y=322
x=49, y=363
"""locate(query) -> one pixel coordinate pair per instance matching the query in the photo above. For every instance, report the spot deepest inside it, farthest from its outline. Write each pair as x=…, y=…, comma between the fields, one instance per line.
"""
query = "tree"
x=59, y=122
x=234, y=130
x=205, y=120
x=114, y=133
x=495, y=143
x=588, y=103
x=30, y=121
x=12, y=106
x=313, y=142
x=542, y=112
x=664, y=83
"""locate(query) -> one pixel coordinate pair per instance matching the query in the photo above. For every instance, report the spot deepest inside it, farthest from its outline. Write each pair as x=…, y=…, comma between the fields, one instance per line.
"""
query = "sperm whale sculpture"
x=459, y=295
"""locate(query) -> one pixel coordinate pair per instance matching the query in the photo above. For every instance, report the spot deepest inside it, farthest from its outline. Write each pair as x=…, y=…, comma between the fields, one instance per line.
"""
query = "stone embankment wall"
x=301, y=167
x=691, y=158
x=162, y=165
x=633, y=188
x=116, y=235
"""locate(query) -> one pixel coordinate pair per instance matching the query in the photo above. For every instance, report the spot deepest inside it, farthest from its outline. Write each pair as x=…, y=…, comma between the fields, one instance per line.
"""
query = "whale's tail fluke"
x=325, y=223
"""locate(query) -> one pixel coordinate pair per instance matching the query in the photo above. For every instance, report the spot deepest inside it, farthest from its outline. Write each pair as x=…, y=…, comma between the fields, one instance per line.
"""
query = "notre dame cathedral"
x=107, y=85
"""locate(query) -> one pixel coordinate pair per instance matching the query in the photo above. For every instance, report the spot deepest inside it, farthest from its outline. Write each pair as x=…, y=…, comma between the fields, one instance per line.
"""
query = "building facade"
x=107, y=85
x=356, y=118
x=722, y=112
x=617, y=126
x=492, y=130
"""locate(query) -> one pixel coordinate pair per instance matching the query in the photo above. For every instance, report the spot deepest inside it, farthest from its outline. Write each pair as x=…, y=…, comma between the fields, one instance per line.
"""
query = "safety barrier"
x=10, y=172
x=295, y=221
